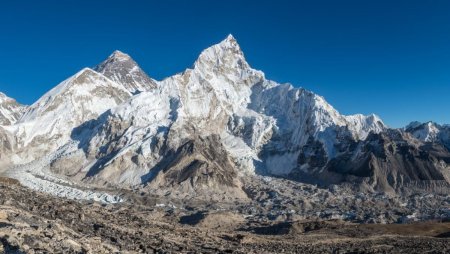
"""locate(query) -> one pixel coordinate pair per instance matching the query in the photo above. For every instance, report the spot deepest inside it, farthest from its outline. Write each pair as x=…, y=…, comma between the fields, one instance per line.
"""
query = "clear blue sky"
x=387, y=57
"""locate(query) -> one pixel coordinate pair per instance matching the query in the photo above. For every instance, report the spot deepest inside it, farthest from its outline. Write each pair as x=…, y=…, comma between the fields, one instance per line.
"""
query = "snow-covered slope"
x=49, y=123
x=10, y=110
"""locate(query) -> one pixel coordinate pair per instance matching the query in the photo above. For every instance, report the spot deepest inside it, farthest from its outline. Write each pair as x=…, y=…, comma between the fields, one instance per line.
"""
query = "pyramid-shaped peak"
x=226, y=58
x=118, y=52
x=230, y=42
x=431, y=124
x=227, y=52
x=119, y=55
x=122, y=69
x=117, y=59
x=230, y=37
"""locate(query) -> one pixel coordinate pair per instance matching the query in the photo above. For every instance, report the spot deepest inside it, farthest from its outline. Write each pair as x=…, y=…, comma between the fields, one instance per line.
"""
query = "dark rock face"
x=122, y=69
x=393, y=159
x=312, y=154
x=200, y=167
x=387, y=161
x=200, y=161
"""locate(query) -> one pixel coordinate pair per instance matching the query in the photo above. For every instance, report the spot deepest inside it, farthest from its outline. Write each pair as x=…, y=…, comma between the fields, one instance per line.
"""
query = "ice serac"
x=122, y=69
x=10, y=110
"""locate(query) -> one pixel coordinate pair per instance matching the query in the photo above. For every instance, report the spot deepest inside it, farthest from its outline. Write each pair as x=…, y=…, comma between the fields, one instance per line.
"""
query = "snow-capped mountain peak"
x=225, y=57
x=362, y=125
x=230, y=37
x=118, y=55
x=10, y=110
x=122, y=69
x=3, y=97
x=219, y=52
x=427, y=132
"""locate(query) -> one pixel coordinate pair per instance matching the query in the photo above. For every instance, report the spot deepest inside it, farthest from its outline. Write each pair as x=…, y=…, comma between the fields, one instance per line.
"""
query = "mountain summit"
x=121, y=68
x=10, y=110
x=208, y=131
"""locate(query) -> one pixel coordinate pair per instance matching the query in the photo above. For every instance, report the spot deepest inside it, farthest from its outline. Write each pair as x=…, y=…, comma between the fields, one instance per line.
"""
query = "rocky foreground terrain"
x=34, y=222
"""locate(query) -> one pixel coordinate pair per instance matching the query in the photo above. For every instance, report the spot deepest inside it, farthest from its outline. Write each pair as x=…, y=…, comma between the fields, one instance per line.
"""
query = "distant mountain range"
x=207, y=130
